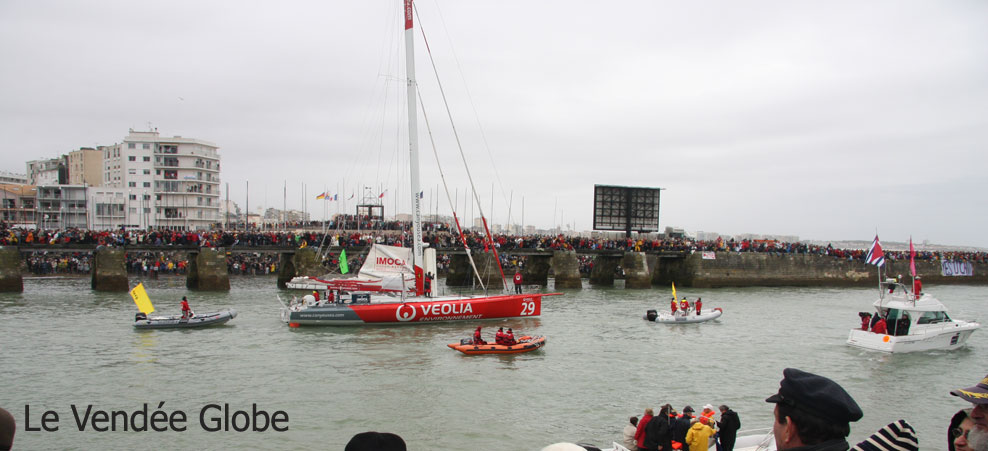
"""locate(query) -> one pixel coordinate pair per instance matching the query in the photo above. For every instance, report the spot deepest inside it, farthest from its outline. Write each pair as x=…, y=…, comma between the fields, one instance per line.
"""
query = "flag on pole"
x=344, y=267
x=321, y=196
x=141, y=299
x=875, y=255
x=335, y=197
x=421, y=194
x=351, y=197
x=382, y=194
x=912, y=258
x=674, y=290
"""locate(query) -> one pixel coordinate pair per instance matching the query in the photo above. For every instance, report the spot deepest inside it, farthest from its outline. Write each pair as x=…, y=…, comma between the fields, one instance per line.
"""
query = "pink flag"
x=912, y=258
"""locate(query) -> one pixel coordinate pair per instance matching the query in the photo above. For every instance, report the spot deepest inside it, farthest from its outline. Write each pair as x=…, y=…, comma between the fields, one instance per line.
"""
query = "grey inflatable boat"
x=142, y=321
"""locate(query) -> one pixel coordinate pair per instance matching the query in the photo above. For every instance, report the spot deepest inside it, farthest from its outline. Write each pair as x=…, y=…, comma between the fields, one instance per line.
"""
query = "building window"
x=146, y=146
x=132, y=184
x=131, y=158
x=131, y=146
x=133, y=197
x=171, y=175
x=147, y=158
x=147, y=184
x=147, y=172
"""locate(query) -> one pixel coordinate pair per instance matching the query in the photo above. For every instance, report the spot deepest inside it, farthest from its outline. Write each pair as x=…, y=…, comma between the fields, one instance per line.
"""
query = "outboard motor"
x=651, y=315
x=140, y=316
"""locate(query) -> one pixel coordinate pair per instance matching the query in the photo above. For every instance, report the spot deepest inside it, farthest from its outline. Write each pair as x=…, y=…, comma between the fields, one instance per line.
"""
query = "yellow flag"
x=673, y=290
x=141, y=299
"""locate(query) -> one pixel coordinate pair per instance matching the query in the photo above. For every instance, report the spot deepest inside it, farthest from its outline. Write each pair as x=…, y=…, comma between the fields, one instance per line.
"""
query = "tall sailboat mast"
x=413, y=142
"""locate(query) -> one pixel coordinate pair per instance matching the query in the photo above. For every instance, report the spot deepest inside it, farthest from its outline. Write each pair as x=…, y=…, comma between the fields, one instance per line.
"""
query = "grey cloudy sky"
x=826, y=120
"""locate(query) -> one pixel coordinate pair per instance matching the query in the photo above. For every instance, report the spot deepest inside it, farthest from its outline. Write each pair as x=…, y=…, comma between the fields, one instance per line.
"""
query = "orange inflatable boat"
x=525, y=344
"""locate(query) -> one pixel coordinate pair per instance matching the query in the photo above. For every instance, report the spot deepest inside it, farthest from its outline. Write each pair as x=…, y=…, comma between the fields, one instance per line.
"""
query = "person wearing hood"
x=477, y=340
x=698, y=437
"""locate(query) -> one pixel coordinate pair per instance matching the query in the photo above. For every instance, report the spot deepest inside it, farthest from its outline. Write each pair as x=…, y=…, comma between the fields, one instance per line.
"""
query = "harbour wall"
x=731, y=269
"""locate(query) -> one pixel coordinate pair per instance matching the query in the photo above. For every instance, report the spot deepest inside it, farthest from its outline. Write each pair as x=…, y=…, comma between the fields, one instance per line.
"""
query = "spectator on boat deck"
x=727, y=428
x=812, y=412
x=896, y=436
x=865, y=320
x=499, y=336
x=7, y=429
x=329, y=297
x=959, y=431
x=509, y=338
x=880, y=327
x=518, y=280
x=376, y=441
x=699, y=305
x=315, y=294
x=917, y=287
x=681, y=425
x=629, y=434
x=640, y=431
x=186, y=311
x=657, y=433
x=684, y=305
x=477, y=340
x=698, y=437
x=977, y=395
x=428, y=284
x=708, y=411
x=673, y=305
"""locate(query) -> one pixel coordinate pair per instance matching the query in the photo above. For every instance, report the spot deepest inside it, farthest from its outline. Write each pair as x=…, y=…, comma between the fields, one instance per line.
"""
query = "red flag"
x=912, y=258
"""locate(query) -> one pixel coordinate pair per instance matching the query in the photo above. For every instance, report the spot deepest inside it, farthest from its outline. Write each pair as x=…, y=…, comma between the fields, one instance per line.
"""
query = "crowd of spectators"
x=439, y=236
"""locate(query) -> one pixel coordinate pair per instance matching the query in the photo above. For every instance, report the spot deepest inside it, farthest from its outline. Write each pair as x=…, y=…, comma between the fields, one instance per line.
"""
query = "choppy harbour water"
x=62, y=344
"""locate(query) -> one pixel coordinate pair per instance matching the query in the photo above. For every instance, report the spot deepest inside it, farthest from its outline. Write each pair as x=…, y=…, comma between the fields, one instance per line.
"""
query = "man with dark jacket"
x=727, y=428
x=681, y=425
x=657, y=434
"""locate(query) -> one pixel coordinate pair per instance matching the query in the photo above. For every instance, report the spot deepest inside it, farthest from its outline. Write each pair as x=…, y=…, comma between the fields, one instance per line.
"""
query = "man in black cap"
x=812, y=413
x=978, y=396
x=681, y=425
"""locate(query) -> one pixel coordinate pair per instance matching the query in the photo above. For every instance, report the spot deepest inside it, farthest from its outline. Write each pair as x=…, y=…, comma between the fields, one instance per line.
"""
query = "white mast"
x=413, y=144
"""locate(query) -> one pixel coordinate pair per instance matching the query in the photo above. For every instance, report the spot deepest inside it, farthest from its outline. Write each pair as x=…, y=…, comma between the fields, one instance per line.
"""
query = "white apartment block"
x=46, y=172
x=166, y=183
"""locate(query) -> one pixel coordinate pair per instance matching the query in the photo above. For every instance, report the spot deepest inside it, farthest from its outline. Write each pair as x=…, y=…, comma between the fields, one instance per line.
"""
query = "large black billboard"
x=625, y=208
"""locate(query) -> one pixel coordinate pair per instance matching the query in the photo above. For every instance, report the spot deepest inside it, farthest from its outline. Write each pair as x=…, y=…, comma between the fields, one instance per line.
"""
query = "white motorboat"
x=913, y=323
x=683, y=317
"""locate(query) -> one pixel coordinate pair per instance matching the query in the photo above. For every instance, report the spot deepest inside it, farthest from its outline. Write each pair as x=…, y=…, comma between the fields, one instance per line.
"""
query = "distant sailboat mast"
x=413, y=144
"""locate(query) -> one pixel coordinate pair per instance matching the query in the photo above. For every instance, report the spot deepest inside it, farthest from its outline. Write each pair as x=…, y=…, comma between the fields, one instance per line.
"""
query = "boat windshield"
x=933, y=318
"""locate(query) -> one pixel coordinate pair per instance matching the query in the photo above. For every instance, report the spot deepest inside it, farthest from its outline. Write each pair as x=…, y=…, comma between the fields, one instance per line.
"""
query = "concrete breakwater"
x=730, y=269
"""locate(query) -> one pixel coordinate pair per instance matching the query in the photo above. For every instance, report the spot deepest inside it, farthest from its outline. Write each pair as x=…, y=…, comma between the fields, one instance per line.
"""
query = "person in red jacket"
x=518, y=281
x=509, y=338
x=640, y=432
x=880, y=327
x=865, y=320
x=186, y=311
x=673, y=305
x=499, y=336
x=477, y=340
x=917, y=287
x=699, y=305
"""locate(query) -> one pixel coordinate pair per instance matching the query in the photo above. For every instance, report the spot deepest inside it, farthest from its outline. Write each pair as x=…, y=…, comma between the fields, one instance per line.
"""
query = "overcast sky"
x=824, y=120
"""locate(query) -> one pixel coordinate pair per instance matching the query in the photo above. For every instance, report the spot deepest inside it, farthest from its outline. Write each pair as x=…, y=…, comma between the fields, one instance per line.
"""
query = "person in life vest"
x=865, y=320
x=499, y=336
x=673, y=305
x=708, y=411
x=699, y=305
x=917, y=287
x=518, y=280
x=186, y=311
x=315, y=294
x=880, y=327
x=477, y=340
x=684, y=305
x=509, y=338
x=329, y=297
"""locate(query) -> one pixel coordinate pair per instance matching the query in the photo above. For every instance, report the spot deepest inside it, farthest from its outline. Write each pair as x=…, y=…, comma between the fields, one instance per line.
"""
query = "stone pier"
x=536, y=270
x=566, y=267
x=304, y=262
x=602, y=273
x=636, y=273
x=208, y=271
x=110, y=269
x=11, y=280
